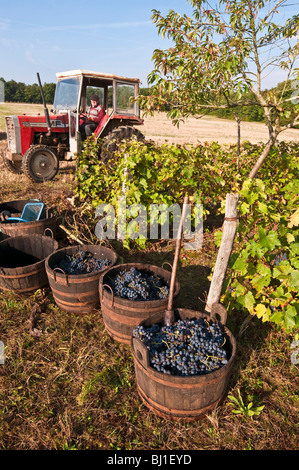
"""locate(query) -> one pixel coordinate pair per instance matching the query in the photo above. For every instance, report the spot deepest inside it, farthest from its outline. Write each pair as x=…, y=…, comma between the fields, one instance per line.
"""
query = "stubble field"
x=160, y=129
x=208, y=129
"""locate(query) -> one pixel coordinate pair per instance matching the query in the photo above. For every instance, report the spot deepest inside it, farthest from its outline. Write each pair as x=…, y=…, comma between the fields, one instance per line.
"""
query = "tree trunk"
x=238, y=120
x=263, y=156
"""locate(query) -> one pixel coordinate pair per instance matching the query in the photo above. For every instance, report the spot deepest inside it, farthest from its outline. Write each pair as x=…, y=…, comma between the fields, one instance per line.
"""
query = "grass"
x=15, y=109
x=72, y=387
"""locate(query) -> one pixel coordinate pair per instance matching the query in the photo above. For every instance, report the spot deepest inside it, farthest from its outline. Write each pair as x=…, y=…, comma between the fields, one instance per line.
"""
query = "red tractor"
x=36, y=144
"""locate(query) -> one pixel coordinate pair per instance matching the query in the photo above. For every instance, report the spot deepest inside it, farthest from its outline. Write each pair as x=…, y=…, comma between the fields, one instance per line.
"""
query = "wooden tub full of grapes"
x=183, y=370
x=131, y=292
x=183, y=358
x=74, y=273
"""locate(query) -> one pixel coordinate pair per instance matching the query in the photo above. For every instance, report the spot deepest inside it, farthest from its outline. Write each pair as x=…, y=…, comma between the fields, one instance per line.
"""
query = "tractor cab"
x=116, y=93
x=117, y=96
x=36, y=144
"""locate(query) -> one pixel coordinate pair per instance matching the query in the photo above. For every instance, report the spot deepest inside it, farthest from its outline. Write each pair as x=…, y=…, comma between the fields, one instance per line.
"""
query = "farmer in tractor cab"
x=89, y=121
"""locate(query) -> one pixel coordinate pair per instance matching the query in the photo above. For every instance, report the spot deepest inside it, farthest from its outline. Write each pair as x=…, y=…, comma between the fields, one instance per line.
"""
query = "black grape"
x=134, y=284
x=186, y=348
x=83, y=262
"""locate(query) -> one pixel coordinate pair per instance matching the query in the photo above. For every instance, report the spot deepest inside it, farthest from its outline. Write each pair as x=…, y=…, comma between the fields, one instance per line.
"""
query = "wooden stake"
x=229, y=231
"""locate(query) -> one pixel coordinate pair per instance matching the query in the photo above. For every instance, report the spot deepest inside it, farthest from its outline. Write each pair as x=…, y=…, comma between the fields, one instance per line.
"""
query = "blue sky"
x=57, y=35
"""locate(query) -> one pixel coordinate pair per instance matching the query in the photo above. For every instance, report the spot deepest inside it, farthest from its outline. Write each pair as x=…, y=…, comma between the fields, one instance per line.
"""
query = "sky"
x=116, y=36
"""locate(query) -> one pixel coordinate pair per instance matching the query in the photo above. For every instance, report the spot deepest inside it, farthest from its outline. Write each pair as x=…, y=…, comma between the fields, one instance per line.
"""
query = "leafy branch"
x=219, y=57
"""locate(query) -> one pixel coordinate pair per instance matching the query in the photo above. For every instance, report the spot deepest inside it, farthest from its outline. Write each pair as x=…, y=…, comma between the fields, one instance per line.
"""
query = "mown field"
x=67, y=385
x=196, y=129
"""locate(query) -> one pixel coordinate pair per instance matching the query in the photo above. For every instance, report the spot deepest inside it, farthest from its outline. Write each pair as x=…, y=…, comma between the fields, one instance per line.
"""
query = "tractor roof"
x=99, y=75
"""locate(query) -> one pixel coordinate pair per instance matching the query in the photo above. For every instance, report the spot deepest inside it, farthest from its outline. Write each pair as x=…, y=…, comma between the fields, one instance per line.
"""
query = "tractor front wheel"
x=40, y=163
x=111, y=141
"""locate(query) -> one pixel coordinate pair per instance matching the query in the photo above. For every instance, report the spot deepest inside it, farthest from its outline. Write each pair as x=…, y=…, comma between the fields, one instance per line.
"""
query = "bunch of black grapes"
x=134, y=284
x=83, y=262
x=186, y=348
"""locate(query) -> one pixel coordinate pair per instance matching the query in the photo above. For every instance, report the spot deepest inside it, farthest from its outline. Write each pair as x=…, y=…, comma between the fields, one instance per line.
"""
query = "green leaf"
x=240, y=291
x=256, y=249
x=244, y=208
x=260, y=282
x=277, y=317
x=294, y=279
x=289, y=319
x=240, y=264
x=268, y=240
x=143, y=183
x=281, y=271
x=263, y=207
x=249, y=301
x=218, y=237
x=260, y=310
x=294, y=248
x=290, y=237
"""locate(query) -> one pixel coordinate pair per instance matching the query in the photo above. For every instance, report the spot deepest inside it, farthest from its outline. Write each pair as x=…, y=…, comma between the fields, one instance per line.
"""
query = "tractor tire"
x=13, y=167
x=40, y=163
x=111, y=141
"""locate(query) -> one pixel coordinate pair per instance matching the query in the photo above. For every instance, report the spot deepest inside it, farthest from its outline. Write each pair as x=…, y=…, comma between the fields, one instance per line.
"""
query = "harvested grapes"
x=134, y=284
x=186, y=348
x=83, y=262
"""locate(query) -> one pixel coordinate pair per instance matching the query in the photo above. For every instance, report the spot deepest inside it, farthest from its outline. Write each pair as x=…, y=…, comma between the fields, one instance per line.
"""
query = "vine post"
x=229, y=231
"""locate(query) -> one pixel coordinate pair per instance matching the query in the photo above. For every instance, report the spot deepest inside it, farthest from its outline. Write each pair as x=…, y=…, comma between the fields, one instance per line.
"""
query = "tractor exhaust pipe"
x=45, y=106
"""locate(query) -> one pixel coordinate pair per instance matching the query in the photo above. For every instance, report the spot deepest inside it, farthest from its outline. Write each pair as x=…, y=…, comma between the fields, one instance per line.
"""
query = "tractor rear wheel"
x=111, y=141
x=13, y=167
x=40, y=163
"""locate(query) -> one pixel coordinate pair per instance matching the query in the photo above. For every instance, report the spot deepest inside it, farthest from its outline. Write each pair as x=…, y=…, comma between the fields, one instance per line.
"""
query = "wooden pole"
x=229, y=231
x=169, y=317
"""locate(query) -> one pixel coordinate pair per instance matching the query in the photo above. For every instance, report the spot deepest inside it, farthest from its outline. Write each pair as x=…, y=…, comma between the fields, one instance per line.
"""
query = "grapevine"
x=263, y=277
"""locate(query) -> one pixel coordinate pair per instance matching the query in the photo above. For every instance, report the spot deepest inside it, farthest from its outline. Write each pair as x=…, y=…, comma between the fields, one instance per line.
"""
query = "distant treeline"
x=18, y=92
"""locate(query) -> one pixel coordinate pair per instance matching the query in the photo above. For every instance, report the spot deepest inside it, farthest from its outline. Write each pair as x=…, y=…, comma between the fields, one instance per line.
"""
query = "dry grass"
x=14, y=109
x=73, y=387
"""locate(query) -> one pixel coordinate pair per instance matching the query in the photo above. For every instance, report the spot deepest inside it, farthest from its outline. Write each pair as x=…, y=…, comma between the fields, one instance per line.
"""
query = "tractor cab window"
x=66, y=94
x=124, y=98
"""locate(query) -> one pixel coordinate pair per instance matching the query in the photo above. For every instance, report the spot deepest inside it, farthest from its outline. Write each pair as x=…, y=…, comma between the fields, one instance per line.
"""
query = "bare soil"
x=208, y=129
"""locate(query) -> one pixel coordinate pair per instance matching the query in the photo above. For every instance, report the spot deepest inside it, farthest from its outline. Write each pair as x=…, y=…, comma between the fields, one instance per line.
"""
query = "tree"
x=11, y=88
x=19, y=92
x=49, y=92
x=32, y=94
x=219, y=58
